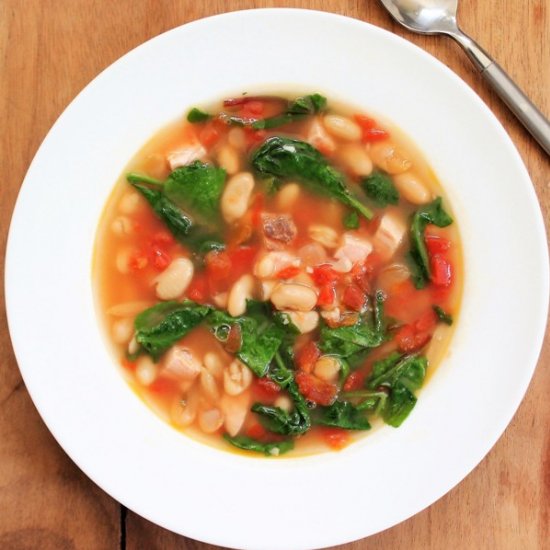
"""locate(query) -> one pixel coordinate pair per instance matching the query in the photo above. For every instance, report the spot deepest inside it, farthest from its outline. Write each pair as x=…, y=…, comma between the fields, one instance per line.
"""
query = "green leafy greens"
x=380, y=189
x=342, y=414
x=432, y=213
x=269, y=449
x=287, y=158
x=196, y=115
x=443, y=316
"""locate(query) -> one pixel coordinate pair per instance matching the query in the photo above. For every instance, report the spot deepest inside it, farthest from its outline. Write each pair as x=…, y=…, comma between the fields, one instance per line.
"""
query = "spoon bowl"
x=439, y=17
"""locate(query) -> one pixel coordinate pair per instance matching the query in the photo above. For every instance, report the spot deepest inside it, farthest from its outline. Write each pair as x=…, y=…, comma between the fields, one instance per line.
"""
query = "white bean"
x=304, y=321
x=392, y=275
x=146, y=370
x=388, y=157
x=237, y=138
x=186, y=155
x=266, y=288
x=240, y=292
x=210, y=420
x=324, y=235
x=235, y=410
x=236, y=196
x=236, y=378
x=296, y=297
x=129, y=203
x=319, y=137
x=122, y=330
x=133, y=346
x=213, y=363
x=220, y=299
x=287, y=196
x=327, y=368
x=411, y=188
x=228, y=159
x=128, y=309
x=122, y=260
x=438, y=344
x=183, y=412
x=122, y=225
x=283, y=402
x=342, y=127
x=271, y=263
x=174, y=280
x=356, y=159
x=312, y=254
x=209, y=387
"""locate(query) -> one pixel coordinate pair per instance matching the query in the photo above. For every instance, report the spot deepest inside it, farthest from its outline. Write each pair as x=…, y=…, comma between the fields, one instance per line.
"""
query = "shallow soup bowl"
x=256, y=502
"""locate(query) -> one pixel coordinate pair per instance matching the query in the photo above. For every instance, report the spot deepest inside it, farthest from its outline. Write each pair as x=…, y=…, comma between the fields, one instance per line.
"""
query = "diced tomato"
x=138, y=261
x=335, y=438
x=370, y=131
x=307, y=355
x=409, y=339
x=161, y=386
x=242, y=259
x=209, y=135
x=253, y=108
x=234, y=339
x=327, y=294
x=266, y=388
x=427, y=321
x=159, y=257
x=257, y=209
x=218, y=265
x=362, y=277
x=256, y=431
x=127, y=364
x=442, y=273
x=235, y=101
x=436, y=244
x=440, y=295
x=354, y=381
x=198, y=289
x=324, y=274
x=288, y=272
x=354, y=297
x=316, y=390
x=163, y=237
x=373, y=262
x=253, y=137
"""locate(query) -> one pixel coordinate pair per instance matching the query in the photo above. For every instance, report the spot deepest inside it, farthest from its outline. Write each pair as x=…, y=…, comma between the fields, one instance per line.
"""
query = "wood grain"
x=50, y=49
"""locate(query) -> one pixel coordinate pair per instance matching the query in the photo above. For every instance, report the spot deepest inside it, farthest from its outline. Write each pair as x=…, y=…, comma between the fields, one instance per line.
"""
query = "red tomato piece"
x=234, y=339
x=209, y=135
x=288, y=272
x=307, y=355
x=335, y=438
x=242, y=259
x=163, y=237
x=218, y=264
x=409, y=339
x=127, y=364
x=354, y=381
x=327, y=294
x=266, y=388
x=256, y=431
x=316, y=390
x=253, y=108
x=159, y=257
x=354, y=297
x=324, y=274
x=198, y=289
x=427, y=321
x=257, y=209
x=442, y=273
x=436, y=244
x=161, y=386
x=138, y=261
x=371, y=133
x=253, y=137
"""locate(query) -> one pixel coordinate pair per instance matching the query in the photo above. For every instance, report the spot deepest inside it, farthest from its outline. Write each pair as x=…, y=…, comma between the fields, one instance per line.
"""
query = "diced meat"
x=320, y=138
x=186, y=155
x=278, y=229
x=390, y=234
x=353, y=250
x=181, y=364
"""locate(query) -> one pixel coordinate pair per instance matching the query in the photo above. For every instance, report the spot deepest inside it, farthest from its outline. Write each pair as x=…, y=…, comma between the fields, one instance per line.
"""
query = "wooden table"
x=50, y=49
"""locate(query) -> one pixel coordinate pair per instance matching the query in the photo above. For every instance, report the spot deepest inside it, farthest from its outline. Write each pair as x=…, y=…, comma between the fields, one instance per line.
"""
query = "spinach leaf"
x=380, y=188
x=432, y=213
x=372, y=401
x=303, y=106
x=276, y=419
x=269, y=449
x=196, y=115
x=342, y=414
x=177, y=221
x=351, y=220
x=288, y=158
x=443, y=317
x=260, y=336
x=162, y=325
x=401, y=376
x=196, y=187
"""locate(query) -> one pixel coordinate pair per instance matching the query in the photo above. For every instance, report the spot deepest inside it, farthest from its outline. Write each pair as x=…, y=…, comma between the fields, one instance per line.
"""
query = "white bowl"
x=225, y=498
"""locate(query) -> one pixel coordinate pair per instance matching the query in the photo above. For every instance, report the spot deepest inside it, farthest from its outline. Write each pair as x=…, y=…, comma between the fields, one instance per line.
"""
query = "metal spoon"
x=439, y=17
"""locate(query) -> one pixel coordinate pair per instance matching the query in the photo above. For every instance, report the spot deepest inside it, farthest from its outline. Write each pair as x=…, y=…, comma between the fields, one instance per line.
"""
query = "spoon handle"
x=528, y=114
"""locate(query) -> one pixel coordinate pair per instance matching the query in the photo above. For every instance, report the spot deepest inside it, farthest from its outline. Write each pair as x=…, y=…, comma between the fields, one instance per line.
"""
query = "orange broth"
x=134, y=248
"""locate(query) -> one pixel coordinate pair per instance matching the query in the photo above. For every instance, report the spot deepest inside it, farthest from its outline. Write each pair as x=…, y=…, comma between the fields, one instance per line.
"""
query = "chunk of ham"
x=319, y=137
x=278, y=230
x=181, y=364
x=390, y=234
x=186, y=155
x=353, y=249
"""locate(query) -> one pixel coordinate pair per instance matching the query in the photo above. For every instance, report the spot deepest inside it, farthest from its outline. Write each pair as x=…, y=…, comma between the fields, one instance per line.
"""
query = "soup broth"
x=278, y=274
